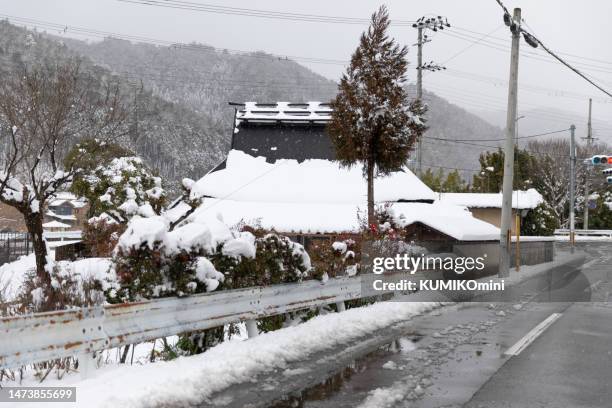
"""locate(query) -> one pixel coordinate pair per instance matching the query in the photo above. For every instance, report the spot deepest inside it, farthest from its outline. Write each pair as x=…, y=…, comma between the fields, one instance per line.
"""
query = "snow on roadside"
x=194, y=379
x=13, y=274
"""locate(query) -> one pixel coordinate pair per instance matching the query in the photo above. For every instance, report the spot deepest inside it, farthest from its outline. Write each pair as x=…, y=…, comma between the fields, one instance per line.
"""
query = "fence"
x=13, y=245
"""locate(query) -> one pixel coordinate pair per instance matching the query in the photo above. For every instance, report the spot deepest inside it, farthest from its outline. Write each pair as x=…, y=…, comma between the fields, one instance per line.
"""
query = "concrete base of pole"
x=504, y=260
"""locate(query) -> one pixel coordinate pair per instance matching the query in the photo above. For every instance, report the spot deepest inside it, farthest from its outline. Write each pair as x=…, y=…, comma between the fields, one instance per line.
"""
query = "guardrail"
x=592, y=233
x=82, y=331
x=51, y=335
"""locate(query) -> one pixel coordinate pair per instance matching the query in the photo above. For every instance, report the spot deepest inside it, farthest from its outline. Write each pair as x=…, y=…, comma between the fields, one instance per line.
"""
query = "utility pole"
x=507, y=188
x=587, y=186
x=419, y=91
x=422, y=24
x=572, y=186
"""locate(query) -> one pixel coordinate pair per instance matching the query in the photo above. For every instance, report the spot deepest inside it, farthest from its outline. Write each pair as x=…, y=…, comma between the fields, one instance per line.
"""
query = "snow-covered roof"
x=62, y=197
x=247, y=178
x=50, y=213
x=285, y=111
x=55, y=224
x=318, y=218
x=521, y=200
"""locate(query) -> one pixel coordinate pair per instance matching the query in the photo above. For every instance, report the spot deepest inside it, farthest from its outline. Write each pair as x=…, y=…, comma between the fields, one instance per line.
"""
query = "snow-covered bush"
x=101, y=234
x=73, y=284
x=541, y=221
x=338, y=259
x=276, y=259
x=122, y=188
x=151, y=260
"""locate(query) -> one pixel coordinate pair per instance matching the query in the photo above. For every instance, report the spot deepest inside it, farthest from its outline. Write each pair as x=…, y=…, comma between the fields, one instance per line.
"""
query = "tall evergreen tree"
x=373, y=123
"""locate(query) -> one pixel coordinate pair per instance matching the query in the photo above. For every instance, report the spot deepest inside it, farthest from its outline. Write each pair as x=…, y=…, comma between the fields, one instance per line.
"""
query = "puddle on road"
x=333, y=384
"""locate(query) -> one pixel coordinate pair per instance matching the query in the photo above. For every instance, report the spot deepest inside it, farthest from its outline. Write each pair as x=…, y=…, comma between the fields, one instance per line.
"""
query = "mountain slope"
x=205, y=80
x=182, y=123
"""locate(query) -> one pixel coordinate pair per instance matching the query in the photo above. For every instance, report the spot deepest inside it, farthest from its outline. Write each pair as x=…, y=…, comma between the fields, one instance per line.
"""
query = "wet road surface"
x=457, y=356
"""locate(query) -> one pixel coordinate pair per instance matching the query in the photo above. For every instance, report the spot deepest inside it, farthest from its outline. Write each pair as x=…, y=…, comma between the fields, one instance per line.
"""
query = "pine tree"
x=373, y=123
x=491, y=176
x=453, y=183
x=432, y=180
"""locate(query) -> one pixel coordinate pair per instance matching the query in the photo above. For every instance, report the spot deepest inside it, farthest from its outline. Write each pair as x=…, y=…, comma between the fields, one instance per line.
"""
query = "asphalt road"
x=458, y=356
x=569, y=364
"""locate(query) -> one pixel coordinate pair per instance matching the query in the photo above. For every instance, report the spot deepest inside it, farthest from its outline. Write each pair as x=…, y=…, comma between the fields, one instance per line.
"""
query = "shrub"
x=541, y=221
x=101, y=235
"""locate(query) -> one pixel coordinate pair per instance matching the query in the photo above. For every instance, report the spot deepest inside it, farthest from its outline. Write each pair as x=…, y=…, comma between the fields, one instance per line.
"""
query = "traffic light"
x=607, y=171
x=601, y=160
x=609, y=179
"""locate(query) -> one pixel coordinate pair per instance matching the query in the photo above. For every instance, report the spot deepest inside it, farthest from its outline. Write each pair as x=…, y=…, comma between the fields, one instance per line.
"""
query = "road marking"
x=532, y=335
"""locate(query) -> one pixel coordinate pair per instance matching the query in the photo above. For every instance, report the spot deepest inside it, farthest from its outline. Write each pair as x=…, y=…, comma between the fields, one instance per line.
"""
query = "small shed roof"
x=521, y=200
x=55, y=224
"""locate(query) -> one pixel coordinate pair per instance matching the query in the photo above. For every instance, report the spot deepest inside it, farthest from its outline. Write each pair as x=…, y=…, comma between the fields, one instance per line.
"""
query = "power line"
x=62, y=28
x=530, y=37
x=248, y=12
x=467, y=35
x=499, y=140
x=499, y=147
x=448, y=168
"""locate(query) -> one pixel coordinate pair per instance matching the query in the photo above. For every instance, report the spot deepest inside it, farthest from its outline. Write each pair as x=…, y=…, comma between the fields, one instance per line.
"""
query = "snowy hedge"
x=152, y=260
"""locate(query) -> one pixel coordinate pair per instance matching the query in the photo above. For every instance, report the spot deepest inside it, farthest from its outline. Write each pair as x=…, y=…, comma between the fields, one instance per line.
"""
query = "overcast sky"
x=475, y=78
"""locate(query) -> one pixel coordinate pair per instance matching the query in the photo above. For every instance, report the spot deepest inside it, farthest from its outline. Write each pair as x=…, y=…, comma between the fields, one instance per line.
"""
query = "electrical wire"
x=554, y=55
x=499, y=140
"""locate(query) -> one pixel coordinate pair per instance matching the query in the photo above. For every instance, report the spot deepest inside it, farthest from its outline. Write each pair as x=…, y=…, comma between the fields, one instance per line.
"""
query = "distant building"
x=487, y=207
x=65, y=208
x=68, y=209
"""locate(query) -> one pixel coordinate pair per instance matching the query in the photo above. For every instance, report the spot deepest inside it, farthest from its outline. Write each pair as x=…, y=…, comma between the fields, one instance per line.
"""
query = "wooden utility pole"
x=507, y=188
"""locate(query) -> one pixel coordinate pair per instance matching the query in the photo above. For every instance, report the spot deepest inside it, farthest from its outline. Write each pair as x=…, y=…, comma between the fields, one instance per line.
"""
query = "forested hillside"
x=181, y=121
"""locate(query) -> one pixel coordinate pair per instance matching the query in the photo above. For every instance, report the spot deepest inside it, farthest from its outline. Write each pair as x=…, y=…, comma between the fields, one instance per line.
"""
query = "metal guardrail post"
x=87, y=365
x=251, y=326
